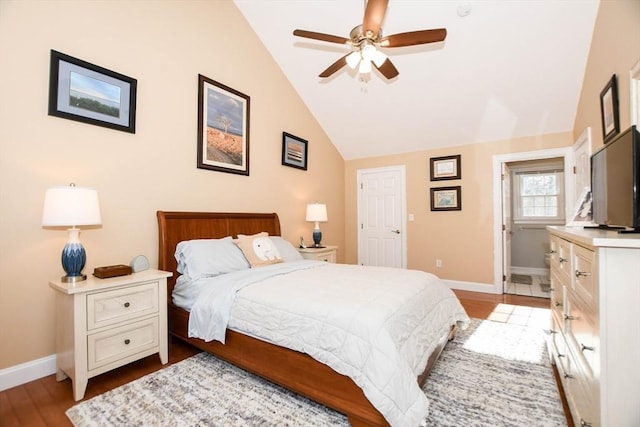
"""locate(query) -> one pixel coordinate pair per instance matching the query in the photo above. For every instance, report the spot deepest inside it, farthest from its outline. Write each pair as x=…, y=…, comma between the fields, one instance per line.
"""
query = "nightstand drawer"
x=117, y=343
x=107, y=308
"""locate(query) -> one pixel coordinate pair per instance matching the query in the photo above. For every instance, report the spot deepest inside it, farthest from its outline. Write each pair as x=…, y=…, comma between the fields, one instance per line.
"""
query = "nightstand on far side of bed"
x=102, y=324
x=327, y=253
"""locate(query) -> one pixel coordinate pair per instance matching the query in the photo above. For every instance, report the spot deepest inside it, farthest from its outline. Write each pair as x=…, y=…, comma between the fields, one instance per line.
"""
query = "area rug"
x=492, y=374
x=523, y=279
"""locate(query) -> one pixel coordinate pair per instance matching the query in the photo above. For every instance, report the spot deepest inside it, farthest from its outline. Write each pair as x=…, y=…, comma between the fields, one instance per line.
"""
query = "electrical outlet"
x=438, y=263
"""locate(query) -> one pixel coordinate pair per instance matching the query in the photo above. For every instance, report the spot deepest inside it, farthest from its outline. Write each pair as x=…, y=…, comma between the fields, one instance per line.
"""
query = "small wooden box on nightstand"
x=102, y=324
x=328, y=253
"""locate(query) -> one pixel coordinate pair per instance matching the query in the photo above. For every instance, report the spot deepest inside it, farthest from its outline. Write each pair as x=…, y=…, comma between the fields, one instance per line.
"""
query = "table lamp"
x=71, y=207
x=317, y=212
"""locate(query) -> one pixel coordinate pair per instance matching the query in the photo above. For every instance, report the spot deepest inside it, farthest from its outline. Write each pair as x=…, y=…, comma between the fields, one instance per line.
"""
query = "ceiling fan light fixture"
x=353, y=59
x=379, y=58
x=365, y=66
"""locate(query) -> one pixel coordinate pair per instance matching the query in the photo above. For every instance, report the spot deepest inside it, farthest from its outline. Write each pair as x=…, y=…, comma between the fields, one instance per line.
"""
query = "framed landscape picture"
x=446, y=198
x=609, y=110
x=444, y=168
x=294, y=151
x=91, y=94
x=223, y=128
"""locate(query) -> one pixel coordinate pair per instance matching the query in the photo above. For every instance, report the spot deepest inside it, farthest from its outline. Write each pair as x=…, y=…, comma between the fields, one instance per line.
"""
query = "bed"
x=292, y=369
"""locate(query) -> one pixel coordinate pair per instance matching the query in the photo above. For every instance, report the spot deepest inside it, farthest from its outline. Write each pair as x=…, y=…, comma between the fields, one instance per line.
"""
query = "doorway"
x=533, y=198
x=502, y=226
x=381, y=216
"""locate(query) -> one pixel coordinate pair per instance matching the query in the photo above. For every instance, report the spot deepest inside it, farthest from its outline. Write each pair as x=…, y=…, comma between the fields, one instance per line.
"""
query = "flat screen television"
x=615, y=182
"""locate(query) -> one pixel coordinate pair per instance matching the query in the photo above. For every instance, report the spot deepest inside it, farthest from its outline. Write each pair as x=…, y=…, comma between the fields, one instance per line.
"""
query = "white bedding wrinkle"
x=376, y=325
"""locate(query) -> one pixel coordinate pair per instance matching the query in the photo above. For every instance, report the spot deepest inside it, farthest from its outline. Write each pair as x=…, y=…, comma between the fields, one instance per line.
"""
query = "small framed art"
x=446, y=198
x=444, y=168
x=294, y=151
x=223, y=128
x=609, y=110
x=91, y=94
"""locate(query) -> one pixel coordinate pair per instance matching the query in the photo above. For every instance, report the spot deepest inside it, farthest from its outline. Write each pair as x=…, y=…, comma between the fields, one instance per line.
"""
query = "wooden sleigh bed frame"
x=291, y=369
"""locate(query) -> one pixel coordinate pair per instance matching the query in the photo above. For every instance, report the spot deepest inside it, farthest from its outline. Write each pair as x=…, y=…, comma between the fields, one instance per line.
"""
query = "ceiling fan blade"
x=335, y=66
x=414, y=37
x=387, y=69
x=373, y=16
x=320, y=36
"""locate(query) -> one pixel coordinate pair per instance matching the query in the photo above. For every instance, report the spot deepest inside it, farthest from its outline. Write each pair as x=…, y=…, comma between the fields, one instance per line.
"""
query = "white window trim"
x=517, y=216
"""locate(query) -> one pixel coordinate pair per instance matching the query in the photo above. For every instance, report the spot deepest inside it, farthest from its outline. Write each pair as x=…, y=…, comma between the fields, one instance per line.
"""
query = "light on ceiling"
x=353, y=58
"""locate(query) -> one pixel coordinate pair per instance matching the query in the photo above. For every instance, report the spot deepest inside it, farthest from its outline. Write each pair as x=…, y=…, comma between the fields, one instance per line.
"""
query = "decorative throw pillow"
x=209, y=257
x=259, y=249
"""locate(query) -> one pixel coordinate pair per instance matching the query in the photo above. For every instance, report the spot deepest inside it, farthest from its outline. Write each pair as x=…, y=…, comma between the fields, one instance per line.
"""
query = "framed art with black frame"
x=294, y=151
x=609, y=110
x=445, y=168
x=223, y=128
x=446, y=198
x=91, y=94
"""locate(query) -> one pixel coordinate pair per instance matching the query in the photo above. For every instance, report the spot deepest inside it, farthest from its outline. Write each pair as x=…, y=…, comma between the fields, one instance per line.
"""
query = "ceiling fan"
x=366, y=39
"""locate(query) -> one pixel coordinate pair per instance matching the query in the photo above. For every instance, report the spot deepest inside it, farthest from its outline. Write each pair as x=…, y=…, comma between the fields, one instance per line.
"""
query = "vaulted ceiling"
x=507, y=69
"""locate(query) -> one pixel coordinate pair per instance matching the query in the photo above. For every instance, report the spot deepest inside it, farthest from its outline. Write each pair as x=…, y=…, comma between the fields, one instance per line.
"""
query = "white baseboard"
x=486, y=288
x=26, y=372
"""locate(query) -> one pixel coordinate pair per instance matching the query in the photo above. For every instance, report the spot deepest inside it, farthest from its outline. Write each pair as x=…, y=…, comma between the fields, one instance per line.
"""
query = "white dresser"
x=102, y=324
x=595, y=302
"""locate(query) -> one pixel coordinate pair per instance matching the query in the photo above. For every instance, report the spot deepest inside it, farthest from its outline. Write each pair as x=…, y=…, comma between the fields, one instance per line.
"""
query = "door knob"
x=395, y=231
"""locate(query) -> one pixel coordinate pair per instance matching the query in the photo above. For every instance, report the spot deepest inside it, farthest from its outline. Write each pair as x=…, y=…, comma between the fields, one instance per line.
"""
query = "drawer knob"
x=562, y=355
x=568, y=317
x=550, y=331
x=568, y=376
x=582, y=273
x=127, y=341
x=127, y=304
x=557, y=304
x=586, y=347
x=561, y=260
x=584, y=423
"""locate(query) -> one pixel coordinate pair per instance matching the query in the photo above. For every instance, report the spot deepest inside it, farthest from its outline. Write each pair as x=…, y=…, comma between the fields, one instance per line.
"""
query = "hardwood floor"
x=43, y=402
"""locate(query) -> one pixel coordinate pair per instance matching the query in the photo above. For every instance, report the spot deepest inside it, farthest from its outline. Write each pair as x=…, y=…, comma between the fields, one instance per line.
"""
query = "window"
x=538, y=195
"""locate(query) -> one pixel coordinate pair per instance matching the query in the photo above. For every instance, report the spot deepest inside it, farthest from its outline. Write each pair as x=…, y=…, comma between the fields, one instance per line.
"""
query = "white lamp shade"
x=317, y=212
x=71, y=206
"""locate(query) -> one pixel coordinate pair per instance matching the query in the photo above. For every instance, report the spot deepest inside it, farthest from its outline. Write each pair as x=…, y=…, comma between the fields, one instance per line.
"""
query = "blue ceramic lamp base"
x=73, y=259
x=317, y=238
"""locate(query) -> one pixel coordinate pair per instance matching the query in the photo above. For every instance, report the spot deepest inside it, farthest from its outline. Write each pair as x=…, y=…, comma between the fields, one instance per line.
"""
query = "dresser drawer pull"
x=127, y=304
x=569, y=317
x=562, y=355
x=557, y=304
x=568, y=376
x=127, y=341
x=584, y=423
x=550, y=331
x=561, y=260
x=582, y=273
x=586, y=347
x=551, y=252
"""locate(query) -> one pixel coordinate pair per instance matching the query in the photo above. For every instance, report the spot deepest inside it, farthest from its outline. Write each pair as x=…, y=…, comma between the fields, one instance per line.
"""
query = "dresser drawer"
x=559, y=347
x=114, y=344
x=584, y=334
x=584, y=274
x=110, y=307
x=557, y=297
x=561, y=262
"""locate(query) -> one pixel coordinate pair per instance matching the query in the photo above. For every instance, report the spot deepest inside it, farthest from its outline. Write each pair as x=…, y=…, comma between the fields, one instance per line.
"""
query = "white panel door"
x=506, y=225
x=381, y=223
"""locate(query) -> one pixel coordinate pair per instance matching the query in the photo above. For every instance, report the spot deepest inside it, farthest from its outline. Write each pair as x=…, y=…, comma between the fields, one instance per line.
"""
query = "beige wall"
x=165, y=45
x=615, y=48
x=463, y=240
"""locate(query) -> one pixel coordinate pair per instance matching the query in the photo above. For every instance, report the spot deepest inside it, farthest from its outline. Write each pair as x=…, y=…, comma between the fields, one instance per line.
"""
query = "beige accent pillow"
x=259, y=249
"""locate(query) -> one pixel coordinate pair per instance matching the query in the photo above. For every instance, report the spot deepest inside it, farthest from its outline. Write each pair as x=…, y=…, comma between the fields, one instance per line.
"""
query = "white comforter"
x=376, y=325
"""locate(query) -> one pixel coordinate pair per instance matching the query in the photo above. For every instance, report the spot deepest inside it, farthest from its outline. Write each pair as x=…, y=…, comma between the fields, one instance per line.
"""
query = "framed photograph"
x=446, y=199
x=583, y=211
x=91, y=94
x=609, y=110
x=443, y=168
x=294, y=151
x=223, y=128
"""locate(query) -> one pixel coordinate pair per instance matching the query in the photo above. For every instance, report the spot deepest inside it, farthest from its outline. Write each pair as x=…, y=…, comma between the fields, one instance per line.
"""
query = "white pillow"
x=209, y=257
x=286, y=249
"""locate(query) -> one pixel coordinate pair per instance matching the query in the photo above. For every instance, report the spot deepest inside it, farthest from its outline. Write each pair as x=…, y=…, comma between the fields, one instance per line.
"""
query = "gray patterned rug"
x=492, y=374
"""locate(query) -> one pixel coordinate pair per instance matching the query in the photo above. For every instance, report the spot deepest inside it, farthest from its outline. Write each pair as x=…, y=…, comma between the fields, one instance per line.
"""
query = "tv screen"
x=615, y=182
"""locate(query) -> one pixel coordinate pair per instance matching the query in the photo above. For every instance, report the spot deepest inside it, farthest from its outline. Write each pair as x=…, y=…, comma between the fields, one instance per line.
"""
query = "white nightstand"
x=328, y=253
x=102, y=324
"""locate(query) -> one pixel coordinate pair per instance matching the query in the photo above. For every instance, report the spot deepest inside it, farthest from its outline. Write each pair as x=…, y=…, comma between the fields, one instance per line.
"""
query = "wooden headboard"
x=174, y=227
